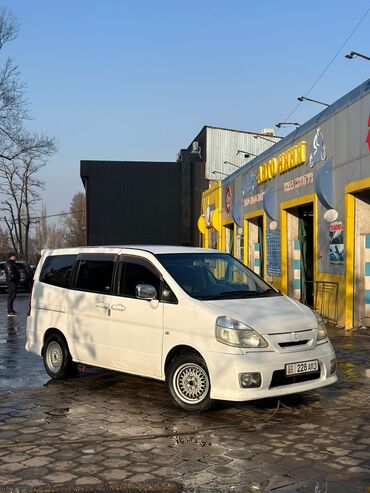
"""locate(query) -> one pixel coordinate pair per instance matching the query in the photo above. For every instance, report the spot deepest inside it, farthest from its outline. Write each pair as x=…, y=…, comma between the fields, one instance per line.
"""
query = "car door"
x=136, y=325
x=89, y=303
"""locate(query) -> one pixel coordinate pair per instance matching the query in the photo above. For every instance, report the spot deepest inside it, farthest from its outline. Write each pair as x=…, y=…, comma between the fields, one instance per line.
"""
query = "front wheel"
x=57, y=360
x=189, y=383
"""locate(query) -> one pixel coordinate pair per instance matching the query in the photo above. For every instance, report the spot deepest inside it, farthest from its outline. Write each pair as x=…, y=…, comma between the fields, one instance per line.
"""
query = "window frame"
x=144, y=262
x=70, y=275
x=97, y=257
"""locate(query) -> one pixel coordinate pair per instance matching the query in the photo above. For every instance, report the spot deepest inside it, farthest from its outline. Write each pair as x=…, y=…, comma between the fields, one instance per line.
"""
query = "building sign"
x=336, y=244
x=253, y=200
x=318, y=149
x=298, y=182
x=368, y=134
x=273, y=259
x=287, y=160
x=228, y=199
x=209, y=211
x=249, y=183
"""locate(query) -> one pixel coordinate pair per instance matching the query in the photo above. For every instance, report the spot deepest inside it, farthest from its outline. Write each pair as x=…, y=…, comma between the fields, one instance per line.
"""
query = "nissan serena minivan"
x=196, y=318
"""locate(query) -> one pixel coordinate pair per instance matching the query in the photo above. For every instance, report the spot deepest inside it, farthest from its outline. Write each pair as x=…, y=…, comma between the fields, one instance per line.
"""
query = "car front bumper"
x=224, y=370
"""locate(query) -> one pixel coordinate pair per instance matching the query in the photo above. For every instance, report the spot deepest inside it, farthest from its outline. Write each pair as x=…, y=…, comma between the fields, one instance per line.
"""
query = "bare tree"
x=41, y=233
x=13, y=109
x=75, y=221
x=22, y=154
x=20, y=189
x=55, y=236
x=4, y=245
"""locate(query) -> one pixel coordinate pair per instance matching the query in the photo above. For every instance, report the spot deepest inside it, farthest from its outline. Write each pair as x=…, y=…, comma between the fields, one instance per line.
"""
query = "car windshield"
x=214, y=276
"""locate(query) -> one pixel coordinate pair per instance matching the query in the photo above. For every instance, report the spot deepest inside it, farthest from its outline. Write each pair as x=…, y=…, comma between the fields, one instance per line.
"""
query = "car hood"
x=267, y=315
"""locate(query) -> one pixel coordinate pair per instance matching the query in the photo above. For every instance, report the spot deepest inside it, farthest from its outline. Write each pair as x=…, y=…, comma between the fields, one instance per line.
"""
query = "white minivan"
x=196, y=318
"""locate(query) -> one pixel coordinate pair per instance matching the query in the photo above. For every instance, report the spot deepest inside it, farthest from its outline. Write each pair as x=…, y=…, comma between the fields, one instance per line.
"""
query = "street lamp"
x=281, y=124
x=354, y=54
x=303, y=98
x=232, y=164
x=219, y=172
x=246, y=153
x=258, y=136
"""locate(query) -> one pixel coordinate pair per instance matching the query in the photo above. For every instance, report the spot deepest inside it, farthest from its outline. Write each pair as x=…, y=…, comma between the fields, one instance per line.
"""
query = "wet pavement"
x=106, y=431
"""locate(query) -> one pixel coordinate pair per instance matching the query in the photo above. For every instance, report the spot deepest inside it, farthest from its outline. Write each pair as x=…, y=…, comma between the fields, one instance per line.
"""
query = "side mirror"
x=145, y=292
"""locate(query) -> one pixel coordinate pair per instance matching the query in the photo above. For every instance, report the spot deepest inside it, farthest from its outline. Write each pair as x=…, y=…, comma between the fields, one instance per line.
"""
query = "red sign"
x=368, y=134
x=228, y=199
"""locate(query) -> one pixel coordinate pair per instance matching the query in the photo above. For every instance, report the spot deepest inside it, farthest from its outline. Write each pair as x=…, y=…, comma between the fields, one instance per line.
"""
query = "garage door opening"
x=300, y=253
x=256, y=245
x=361, y=301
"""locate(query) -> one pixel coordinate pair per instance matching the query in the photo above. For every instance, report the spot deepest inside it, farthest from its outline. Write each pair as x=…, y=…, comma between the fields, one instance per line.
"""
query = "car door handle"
x=101, y=304
x=119, y=308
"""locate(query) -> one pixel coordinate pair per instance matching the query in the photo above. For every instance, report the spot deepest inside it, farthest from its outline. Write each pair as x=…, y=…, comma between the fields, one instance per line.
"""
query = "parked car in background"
x=26, y=275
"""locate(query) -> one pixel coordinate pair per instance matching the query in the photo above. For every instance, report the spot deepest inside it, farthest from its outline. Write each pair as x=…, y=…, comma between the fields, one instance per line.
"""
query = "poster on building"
x=273, y=259
x=336, y=244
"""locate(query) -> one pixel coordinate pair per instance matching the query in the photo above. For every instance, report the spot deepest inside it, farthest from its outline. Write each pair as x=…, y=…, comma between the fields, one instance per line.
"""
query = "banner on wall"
x=273, y=260
x=336, y=243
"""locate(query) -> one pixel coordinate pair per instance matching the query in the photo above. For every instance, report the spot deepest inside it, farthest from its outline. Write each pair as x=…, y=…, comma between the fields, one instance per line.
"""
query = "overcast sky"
x=138, y=79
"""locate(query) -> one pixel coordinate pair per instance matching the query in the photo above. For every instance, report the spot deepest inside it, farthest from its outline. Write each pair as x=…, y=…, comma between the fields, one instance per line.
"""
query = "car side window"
x=134, y=273
x=94, y=276
x=57, y=270
x=168, y=296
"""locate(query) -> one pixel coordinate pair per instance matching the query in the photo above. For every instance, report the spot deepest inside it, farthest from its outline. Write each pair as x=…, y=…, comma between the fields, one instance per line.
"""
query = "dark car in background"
x=26, y=275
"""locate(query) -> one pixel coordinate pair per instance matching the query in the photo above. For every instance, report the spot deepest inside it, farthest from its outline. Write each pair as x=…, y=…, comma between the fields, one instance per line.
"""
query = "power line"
x=328, y=65
x=37, y=218
x=56, y=215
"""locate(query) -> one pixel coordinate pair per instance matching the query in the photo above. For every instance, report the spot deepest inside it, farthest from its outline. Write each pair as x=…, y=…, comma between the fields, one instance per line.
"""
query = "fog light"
x=250, y=380
x=333, y=366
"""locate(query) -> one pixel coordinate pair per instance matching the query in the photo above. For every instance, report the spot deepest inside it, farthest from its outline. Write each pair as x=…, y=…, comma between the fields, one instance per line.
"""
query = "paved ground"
x=105, y=430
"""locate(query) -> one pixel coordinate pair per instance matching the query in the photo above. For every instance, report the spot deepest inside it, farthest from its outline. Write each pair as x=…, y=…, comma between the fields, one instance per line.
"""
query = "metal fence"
x=325, y=299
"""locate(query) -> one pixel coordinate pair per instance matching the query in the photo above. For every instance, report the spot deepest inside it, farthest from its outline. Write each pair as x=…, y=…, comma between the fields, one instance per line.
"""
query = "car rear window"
x=57, y=270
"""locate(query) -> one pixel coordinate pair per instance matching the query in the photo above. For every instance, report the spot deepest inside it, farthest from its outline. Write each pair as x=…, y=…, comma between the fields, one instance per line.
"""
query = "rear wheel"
x=189, y=383
x=57, y=360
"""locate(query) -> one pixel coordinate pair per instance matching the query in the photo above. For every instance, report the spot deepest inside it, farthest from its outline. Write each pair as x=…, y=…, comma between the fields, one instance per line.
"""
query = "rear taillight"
x=28, y=313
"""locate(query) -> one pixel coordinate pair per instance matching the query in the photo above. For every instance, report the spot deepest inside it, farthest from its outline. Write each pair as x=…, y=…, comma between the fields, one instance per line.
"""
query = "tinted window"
x=95, y=275
x=133, y=274
x=168, y=296
x=57, y=270
x=212, y=276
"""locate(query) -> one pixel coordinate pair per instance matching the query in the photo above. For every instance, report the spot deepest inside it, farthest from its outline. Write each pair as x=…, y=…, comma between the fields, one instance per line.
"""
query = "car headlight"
x=237, y=334
x=321, y=329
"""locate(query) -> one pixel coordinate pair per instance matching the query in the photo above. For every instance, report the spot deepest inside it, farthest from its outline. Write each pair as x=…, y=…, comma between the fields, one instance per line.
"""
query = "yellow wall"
x=212, y=196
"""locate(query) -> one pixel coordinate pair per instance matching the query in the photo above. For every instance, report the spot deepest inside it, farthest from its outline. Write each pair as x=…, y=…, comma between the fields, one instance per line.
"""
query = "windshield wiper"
x=239, y=293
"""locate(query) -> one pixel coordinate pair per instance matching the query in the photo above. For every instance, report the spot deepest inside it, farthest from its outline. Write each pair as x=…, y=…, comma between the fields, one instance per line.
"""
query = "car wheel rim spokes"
x=54, y=357
x=191, y=383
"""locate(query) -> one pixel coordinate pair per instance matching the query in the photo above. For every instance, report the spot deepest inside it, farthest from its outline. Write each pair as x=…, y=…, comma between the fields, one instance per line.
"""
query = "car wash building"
x=299, y=214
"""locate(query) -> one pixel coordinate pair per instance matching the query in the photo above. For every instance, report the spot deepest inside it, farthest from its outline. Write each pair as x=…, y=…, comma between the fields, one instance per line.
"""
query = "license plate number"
x=302, y=367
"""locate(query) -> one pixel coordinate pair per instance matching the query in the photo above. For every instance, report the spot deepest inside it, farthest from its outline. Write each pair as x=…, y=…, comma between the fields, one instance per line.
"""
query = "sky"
x=138, y=79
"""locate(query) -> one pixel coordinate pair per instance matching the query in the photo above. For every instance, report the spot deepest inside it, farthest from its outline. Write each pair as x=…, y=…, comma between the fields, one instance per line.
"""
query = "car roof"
x=154, y=249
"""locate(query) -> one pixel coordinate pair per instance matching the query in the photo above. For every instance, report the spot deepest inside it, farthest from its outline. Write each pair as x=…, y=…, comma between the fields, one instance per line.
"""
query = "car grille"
x=279, y=378
x=294, y=343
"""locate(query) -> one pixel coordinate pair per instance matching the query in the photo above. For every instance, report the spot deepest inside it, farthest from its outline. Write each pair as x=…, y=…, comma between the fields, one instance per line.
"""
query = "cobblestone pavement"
x=105, y=430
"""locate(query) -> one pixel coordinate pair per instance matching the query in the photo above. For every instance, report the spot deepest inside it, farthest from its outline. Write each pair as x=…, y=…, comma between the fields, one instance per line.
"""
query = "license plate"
x=302, y=367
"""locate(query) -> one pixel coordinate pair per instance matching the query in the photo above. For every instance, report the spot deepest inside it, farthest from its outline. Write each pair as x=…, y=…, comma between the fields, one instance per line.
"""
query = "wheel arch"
x=180, y=350
x=48, y=333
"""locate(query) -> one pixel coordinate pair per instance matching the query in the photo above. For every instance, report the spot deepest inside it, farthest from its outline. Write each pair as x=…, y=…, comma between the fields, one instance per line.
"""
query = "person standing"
x=12, y=281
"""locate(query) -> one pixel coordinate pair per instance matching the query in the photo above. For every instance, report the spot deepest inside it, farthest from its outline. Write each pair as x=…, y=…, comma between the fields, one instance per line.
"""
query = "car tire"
x=189, y=383
x=57, y=359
